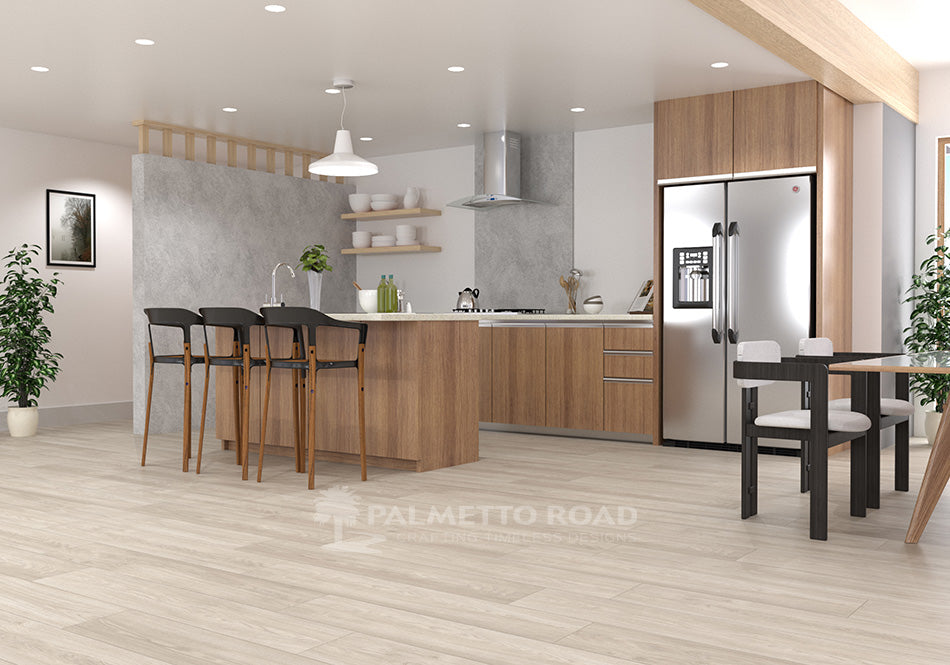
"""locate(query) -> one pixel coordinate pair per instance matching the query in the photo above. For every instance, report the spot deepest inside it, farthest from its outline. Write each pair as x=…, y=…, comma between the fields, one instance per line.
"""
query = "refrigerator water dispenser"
x=692, y=278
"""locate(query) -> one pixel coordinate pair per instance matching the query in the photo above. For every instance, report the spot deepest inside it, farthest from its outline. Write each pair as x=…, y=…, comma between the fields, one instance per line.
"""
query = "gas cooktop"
x=515, y=310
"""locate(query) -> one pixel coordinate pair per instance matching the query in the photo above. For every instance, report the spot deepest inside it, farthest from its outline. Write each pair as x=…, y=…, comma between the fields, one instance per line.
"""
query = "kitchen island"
x=422, y=390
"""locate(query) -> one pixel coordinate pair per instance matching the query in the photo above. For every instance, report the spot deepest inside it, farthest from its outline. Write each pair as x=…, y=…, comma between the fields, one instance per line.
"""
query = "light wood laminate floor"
x=102, y=561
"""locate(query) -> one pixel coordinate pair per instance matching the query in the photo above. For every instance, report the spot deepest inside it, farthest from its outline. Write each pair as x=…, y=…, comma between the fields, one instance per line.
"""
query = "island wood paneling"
x=518, y=375
x=574, y=395
x=484, y=373
x=776, y=127
x=693, y=136
x=421, y=410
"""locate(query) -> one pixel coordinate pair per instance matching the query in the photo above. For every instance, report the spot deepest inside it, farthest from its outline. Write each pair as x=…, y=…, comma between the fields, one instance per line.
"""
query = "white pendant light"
x=343, y=162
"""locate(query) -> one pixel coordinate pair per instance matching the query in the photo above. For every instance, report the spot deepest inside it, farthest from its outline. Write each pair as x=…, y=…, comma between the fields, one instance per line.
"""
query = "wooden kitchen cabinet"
x=628, y=406
x=518, y=374
x=628, y=379
x=693, y=136
x=776, y=127
x=574, y=393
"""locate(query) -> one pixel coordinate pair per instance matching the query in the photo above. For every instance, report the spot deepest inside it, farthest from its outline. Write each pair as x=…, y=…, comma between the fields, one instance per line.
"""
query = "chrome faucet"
x=273, y=284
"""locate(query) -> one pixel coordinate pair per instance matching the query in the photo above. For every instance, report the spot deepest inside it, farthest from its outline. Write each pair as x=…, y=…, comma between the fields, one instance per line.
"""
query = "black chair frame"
x=182, y=319
x=816, y=440
x=305, y=323
x=240, y=321
x=866, y=399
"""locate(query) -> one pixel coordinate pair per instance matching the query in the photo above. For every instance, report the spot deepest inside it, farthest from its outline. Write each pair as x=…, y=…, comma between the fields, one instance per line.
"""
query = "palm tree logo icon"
x=338, y=505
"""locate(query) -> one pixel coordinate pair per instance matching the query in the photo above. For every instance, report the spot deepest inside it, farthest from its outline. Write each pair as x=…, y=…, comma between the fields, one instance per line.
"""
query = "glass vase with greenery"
x=27, y=365
x=929, y=329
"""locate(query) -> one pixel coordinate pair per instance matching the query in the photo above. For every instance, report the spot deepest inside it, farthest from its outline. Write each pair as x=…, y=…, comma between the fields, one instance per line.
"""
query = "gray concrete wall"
x=521, y=250
x=206, y=235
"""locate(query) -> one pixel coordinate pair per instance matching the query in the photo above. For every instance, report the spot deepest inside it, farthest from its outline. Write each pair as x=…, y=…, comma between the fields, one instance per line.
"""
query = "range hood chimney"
x=502, y=174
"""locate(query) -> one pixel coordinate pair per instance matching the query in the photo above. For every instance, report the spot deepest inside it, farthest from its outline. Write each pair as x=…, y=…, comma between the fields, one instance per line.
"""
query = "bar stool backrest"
x=238, y=319
x=308, y=321
x=173, y=317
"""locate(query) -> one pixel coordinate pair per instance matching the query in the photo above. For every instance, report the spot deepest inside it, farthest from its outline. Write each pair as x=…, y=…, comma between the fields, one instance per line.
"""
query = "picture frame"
x=643, y=303
x=70, y=229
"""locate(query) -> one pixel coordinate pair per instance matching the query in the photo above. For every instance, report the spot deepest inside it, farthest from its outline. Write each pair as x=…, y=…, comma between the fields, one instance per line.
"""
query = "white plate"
x=383, y=205
x=406, y=243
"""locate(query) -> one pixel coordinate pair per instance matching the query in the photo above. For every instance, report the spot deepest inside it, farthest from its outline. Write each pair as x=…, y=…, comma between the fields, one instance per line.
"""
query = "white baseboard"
x=60, y=416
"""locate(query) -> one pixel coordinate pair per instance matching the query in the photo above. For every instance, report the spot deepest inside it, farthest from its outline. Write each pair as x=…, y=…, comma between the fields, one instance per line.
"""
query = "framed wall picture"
x=70, y=229
x=643, y=303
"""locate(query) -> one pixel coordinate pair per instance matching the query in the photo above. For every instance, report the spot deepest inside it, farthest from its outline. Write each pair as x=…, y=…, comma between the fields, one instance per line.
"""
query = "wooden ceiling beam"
x=827, y=42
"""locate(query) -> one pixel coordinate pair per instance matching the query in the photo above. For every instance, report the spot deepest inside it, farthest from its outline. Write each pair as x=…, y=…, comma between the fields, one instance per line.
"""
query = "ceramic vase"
x=931, y=422
x=22, y=420
x=412, y=198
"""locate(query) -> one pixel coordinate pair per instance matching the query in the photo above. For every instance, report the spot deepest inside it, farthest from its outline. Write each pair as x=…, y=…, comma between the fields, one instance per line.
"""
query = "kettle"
x=468, y=299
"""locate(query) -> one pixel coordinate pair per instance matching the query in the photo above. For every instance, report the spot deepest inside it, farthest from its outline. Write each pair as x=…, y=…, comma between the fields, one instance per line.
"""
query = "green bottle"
x=381, y=290
x=393, y=301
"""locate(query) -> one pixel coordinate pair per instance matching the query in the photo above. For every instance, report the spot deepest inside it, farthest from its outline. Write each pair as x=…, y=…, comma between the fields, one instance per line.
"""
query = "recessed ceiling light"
x=275, y=9
x=578, y=109
x=463, y=125
x=145, y=42
x=366, y=138
x=333, y=91
x=229, y=109
x=456, y=69
x=39, y=68
x=719, y=65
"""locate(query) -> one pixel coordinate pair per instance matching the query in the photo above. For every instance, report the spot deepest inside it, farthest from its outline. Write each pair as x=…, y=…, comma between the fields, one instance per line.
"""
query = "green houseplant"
x=315, y=261
x=27, y=364
x=929, y=328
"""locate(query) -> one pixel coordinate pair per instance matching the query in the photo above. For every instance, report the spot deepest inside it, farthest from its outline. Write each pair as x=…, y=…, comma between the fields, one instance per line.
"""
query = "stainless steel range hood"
x=502, y=174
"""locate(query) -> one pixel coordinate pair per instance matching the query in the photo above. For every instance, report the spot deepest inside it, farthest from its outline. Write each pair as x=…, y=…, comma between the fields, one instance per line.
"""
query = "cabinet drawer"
x=628, y=339
x=628, y=406
x=628, y=365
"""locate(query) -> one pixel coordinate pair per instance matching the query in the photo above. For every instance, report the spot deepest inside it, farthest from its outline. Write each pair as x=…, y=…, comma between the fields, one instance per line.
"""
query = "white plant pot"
x=315, y=279
x=931, y=423
x=22, y=420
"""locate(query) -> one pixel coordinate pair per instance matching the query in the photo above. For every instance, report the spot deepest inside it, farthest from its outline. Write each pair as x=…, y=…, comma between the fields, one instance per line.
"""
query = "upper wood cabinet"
x=693, y=136
x=775, y=127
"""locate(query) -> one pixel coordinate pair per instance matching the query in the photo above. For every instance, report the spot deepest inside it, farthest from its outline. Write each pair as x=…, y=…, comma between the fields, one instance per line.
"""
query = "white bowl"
x=360, y=242
x=367, y=298
x=360, y=202
x=406, y=243
x=383, y=205
x=593, y=307
x=383, y=197
x=405, y=228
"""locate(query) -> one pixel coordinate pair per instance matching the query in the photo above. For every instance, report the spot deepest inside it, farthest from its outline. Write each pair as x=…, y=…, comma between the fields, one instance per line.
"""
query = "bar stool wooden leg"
x=204, y=408
x=148, y=401
x=362, y=412
x=260, y=451
x=245, y=409
x=312, y=411
x=186, y=434
x=298, y=450
x=236, y=389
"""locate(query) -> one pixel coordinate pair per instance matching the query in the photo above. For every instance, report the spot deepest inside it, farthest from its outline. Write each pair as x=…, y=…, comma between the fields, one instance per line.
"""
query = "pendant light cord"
x=343, y=112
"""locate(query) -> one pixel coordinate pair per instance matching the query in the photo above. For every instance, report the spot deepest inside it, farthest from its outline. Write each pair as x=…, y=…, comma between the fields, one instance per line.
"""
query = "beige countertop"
x=525, y=318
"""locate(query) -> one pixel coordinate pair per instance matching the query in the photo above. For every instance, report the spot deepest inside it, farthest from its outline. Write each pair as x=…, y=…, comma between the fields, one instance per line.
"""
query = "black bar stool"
x=305, y=322
x=240, y=321
x=183, y=319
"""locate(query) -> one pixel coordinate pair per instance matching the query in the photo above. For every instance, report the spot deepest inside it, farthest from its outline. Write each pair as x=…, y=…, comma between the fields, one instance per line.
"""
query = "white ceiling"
x=527, y=62
x=917, y=29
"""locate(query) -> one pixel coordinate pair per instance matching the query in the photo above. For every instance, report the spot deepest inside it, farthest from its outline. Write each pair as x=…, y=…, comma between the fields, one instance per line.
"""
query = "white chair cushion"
x=889, y=406
x=765, y=351
x=838, y=421
x=816, y=346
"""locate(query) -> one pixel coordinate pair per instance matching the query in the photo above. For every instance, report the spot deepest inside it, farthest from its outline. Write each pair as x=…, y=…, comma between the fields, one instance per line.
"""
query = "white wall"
x=91, y=326
x=613, y=212
x=431, y=281
x=934, y=124
x=868, y=220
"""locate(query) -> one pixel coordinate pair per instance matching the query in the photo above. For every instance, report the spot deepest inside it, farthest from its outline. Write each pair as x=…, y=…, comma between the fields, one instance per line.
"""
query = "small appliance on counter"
x=468, y=299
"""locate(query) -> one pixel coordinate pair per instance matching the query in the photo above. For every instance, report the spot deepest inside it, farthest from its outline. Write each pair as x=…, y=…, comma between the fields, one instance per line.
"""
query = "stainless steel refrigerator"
x=739, y=265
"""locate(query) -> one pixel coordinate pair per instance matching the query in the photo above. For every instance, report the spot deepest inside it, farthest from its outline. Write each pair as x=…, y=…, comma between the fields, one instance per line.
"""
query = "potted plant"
x=314, y=261
x=929, y=330
x=26, y=362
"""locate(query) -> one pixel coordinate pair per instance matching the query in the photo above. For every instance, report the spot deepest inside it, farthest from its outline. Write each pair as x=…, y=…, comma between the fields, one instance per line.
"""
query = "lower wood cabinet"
x=574, y=376
x=518, y=374
x=628, y=405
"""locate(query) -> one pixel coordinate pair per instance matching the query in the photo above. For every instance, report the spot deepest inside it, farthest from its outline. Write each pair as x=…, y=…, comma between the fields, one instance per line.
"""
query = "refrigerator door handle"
x=717, y=322
x=732, y=284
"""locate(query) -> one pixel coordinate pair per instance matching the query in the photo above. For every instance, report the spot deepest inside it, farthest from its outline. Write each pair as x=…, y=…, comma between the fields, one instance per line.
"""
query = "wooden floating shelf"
x=405, y=249
x=392, y=214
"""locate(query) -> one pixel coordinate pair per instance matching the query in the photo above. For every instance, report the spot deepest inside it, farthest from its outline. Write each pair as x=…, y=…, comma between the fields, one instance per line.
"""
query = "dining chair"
x=759, y=364
x=240, y=322
x=306, y=323
x=183, y=320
